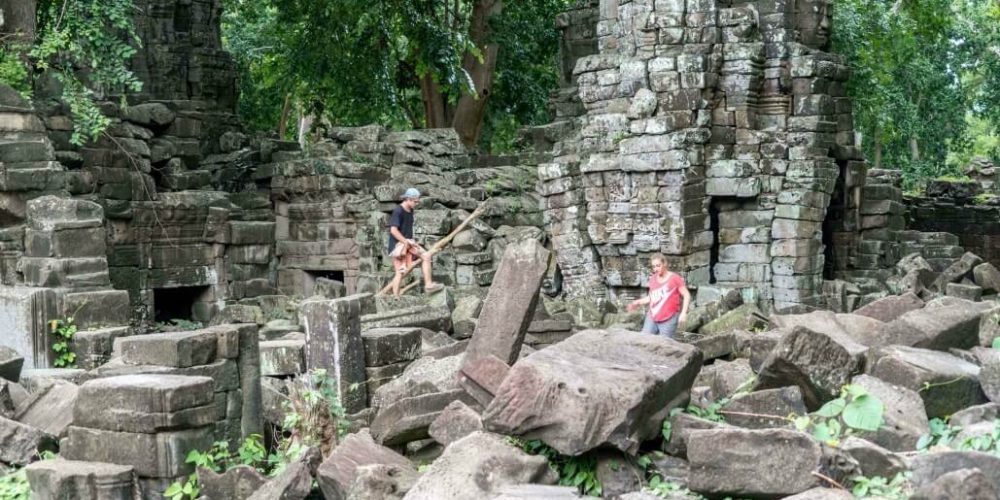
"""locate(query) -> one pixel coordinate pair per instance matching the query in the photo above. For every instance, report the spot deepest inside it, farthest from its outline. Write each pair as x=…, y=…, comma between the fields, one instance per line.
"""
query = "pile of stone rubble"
x=433, y=406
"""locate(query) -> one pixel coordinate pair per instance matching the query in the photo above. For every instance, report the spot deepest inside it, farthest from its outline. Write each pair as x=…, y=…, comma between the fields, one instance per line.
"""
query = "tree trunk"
x=305, y=125
x=435, y=104
x=878, y=148
x=914, y=149
x=18, y=16
x=471, y=109
x=286, y=109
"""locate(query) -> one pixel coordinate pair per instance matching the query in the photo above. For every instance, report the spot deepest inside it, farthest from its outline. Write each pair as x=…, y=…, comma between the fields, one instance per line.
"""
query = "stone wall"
x=977, y=226
x=718, y=134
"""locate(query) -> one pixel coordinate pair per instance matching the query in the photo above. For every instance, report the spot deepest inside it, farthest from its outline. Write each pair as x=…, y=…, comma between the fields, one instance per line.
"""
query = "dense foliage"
x=353, y=62
x=925, y=80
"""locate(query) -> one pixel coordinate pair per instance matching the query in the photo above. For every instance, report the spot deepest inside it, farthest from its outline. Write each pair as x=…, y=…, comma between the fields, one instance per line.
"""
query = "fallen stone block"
x=963, y=484
x=382, y=482
x=510, y=303
x=597, y=387
x=63, y=479
x=743, y=410
x=954, y=273
x=93, y=348
x=989, y=379
x=36, y=379
x=987, y=277
x=989, y=327
x=929, y=467
x=476, y=467
x=873, y=459
x=980, y=413
x=482, y=378
x=50, y=410
x=10, y=364
x=161, y=455
x=617, y=474
x=432, y=341
x=964, y=291
x=862, y=330
x=681, y=426
x=408, y=419
x=294, y=483
x=20, y=444
x=818, y=363
x=537, y=492
x=752, y=463
x=889, y=308
x=338, y=473
x=744, y=317
x=433, y=318
x=456, y=421
x=176, y=349
x=237, y=483
x=7, y=406
x=904, y=417
x=144, y=403
x=463, y=318
x=945, y=382
x=821, y=493
x=282, y=357
x=334, y=344
x=385, y=346
x=423, y=376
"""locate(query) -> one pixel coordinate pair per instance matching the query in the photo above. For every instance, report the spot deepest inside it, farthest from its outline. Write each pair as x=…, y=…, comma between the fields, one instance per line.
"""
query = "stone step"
x=21, y=151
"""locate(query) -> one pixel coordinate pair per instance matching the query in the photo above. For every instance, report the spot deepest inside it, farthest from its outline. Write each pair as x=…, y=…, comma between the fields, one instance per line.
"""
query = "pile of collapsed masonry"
x=123, y=430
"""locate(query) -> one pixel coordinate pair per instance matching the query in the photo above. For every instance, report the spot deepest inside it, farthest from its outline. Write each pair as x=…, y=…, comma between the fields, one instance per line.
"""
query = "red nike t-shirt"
x=665, y=296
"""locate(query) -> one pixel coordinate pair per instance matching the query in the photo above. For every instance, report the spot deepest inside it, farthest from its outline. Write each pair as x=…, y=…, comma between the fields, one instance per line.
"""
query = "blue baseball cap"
x=411, y=193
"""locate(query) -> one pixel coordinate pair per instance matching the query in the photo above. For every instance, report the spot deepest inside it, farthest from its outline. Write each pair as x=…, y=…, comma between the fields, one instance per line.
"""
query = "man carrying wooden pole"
x=402, y=269
x=402, y=248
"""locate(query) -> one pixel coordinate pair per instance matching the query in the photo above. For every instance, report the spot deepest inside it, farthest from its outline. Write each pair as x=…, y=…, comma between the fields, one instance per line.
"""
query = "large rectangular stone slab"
x=152, y=393
x=510, y=303
x=386, y=346
x=63, y=479
x=176, y=349
x=20, y=443
x=24, y=315
x=281, y=357
x=50, y=409
x=334, y=344
x=152, y=455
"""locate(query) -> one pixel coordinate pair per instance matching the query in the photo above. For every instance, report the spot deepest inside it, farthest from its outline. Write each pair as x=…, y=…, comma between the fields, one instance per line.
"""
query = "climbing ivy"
x=97, y=37
x=63, y=331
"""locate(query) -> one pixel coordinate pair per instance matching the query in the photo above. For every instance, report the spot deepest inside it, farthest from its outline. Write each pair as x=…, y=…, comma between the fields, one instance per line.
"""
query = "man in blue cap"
x=402, y=248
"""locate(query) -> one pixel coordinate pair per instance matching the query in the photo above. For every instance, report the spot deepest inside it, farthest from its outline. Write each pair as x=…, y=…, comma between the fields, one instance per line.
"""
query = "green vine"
x=63, y=331
x=97, y=36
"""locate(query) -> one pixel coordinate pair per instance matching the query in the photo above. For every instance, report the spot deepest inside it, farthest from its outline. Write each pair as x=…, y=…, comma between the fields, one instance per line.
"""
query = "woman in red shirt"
x=666, y=289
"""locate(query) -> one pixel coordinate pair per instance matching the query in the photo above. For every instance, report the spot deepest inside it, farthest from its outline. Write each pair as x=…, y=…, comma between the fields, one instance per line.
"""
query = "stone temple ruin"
x=206, y=270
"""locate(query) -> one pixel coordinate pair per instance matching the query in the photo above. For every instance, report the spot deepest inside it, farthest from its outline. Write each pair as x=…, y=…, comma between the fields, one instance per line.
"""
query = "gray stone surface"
x=987, y=276
x=160, y=455
x=51, y=409
x=889, y=308
x=176, y=349
x=237, y=483
x=962, y=484
x=819, y=363
x=942, y=324
x=385, y=346
x=905, y=420
x=294, y=483
x=64, y=479
x=599, y=387
x=333, y=343
x=339, y=470
x=423, y=376
x=282, y=357
x=509, y=305
x=952, y=383
x=10, y=364
x=929, y=467
x=780, y=402
x=873, y=459
x=382, y=482
x=753, y=463
x=456, y=421
x=408, y=419
x=20, y=444
x=476, y=467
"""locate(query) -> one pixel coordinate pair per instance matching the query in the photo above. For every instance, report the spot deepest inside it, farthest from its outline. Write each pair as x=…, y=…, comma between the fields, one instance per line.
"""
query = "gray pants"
x=666, y=328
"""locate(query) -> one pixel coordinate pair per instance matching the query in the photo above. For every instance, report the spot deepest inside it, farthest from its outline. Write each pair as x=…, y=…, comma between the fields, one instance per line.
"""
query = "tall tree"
x=17, y=19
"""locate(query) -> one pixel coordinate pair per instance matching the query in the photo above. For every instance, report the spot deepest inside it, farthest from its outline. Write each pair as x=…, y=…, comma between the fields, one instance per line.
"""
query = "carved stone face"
x=812, y=19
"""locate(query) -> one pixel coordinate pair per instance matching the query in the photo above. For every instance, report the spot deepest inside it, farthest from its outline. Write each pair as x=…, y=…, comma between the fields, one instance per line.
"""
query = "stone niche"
x=719, y=134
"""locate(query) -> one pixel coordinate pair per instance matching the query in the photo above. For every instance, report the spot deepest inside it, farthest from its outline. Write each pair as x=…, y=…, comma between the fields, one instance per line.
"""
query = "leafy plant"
x=897, y=488
x=314, y=415
x=941, y=434
x=14, y=486
x=97, y=36
x=13, y=70
x=854, y=410
x=669, y=489
x=218, y=458
x=579, y=472
x=63, y=331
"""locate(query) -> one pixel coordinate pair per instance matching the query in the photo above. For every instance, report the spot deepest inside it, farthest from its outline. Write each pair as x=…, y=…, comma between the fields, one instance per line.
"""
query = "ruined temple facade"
x=717, y=133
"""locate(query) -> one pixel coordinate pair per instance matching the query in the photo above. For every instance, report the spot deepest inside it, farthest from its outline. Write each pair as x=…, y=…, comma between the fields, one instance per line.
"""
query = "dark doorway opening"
x=713, y=251
x=176, y=303
x=309, y=284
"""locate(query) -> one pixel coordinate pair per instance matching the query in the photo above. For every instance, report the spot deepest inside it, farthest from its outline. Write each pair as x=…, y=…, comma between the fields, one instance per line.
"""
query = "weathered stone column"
x=333, y=343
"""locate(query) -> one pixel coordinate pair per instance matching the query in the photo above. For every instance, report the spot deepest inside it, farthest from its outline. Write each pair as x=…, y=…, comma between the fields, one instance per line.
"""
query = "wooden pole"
x=441, y=244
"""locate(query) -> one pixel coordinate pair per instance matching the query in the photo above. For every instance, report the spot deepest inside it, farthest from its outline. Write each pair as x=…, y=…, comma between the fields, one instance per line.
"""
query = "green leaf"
x=831, y=409
x=864, y=413
x=173, y=489
x=822, y=432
